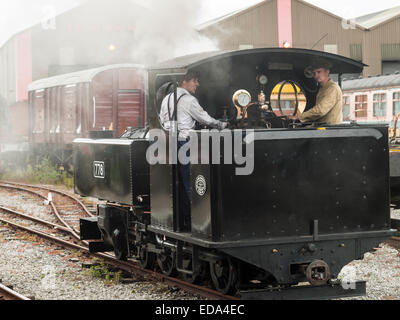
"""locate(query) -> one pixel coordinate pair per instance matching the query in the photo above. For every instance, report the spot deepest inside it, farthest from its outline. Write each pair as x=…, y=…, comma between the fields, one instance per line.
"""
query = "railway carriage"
x=101, y=101
x=316, y=199
x=373, y=99
x=377, y=99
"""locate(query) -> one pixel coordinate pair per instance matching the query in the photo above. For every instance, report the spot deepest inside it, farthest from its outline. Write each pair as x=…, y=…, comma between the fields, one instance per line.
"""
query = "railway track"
x=69, y=225
x=8, y=294
x=67, y=208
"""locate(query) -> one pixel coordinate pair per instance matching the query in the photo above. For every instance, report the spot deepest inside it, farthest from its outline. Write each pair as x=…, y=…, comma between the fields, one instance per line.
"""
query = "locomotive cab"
x=274, y=202
x=311, y=197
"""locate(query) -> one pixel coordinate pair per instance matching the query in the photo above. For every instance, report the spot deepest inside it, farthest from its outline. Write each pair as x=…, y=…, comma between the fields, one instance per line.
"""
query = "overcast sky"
x=16, y=15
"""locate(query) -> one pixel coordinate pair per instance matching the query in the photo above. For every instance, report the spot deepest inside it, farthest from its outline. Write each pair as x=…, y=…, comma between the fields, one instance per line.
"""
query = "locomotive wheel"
x=224, y=275
x=166, y=262
x=120, y=255
x=120, y=246
x=146, y=259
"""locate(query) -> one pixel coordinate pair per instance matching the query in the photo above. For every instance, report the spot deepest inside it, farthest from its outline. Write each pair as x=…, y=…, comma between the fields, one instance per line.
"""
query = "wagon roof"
x=83, y=76
x=373, y=82
x=298, y=57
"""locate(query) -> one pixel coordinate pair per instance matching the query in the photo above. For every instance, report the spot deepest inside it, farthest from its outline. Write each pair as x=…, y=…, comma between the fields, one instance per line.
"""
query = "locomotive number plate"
x=99, y=170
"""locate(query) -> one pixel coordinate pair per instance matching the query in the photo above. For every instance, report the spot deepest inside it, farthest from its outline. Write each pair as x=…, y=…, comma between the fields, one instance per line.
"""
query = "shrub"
x=44, y=173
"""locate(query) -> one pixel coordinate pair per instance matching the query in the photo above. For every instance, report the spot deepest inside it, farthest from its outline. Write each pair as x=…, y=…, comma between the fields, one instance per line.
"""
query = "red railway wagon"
x=70, y=106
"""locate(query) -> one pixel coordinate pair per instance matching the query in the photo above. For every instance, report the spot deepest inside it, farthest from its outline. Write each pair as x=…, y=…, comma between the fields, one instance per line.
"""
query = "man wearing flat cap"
x=328, y=108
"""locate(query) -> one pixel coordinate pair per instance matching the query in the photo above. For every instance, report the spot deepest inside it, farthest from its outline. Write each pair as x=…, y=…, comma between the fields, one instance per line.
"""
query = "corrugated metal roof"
x=373, y=82
x=76, y=77
x=371, y=20
x=238, y=12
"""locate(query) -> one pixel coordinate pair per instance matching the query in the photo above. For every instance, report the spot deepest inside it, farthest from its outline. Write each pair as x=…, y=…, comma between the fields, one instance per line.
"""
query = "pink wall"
x=23, y=48
x=285, y=22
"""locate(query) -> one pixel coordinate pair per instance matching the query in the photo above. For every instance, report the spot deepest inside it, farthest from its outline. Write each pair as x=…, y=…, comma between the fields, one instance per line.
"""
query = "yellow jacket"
x=328, y=106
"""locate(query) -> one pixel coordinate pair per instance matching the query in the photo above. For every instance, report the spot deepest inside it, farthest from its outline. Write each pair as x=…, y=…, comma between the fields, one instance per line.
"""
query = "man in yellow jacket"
x=328, y=108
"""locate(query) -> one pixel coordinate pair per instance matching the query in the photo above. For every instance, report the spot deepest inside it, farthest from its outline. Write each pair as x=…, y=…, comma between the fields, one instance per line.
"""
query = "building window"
x=391, y=52
x=356, y=52
x=331, y=48
x=346, y=108
x=285, y=104
x=396, y=103
x=361, y=106
x=380, y=105
x=246, y=46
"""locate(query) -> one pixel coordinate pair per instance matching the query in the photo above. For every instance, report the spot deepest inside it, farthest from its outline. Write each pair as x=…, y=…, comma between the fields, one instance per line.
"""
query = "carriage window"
x=346, y=108
x=361, y=106
x=288, y=99
x=396, y=103
x=380, y=105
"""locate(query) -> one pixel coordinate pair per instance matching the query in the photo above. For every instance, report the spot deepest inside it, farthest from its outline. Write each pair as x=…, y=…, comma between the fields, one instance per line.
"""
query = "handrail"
x=94, y=112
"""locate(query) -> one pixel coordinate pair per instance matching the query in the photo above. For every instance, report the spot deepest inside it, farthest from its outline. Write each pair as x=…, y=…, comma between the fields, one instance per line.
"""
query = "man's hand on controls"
x=222, y=125
x=296, y=116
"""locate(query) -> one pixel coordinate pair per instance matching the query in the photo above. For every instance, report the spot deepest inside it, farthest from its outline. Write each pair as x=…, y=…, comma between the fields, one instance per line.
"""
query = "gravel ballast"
x=42, y=270
x=47, y=272
x=381, y=271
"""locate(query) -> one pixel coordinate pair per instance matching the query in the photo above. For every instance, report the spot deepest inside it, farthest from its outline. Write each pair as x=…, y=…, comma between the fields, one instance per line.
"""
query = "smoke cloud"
x=128, y=31
x=94, y=33
x=170, y=31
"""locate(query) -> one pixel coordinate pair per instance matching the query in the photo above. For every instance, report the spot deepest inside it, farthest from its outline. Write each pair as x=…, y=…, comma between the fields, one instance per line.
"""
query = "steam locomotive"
x=316, y=199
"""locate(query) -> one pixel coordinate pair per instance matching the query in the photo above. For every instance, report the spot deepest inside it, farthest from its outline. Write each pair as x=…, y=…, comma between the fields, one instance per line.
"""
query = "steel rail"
x=42, y=234
x=54, y=209
x=126, y=266
x=34, y=219
x=8, y=294
x=130, y=267
x=55, y=191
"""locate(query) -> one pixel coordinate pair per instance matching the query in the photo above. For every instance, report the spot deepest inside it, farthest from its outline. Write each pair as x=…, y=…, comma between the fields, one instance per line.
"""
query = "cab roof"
x=298, y=58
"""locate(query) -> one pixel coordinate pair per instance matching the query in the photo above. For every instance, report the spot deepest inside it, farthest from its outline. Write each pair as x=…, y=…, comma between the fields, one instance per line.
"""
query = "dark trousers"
x=184, y=189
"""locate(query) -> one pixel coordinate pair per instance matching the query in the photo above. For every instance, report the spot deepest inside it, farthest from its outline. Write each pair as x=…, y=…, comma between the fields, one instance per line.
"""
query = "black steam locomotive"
x=316, y=199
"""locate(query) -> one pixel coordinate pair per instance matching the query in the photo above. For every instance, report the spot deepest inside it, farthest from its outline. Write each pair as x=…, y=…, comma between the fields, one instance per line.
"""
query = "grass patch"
x=102, y=271
x=43, y=173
